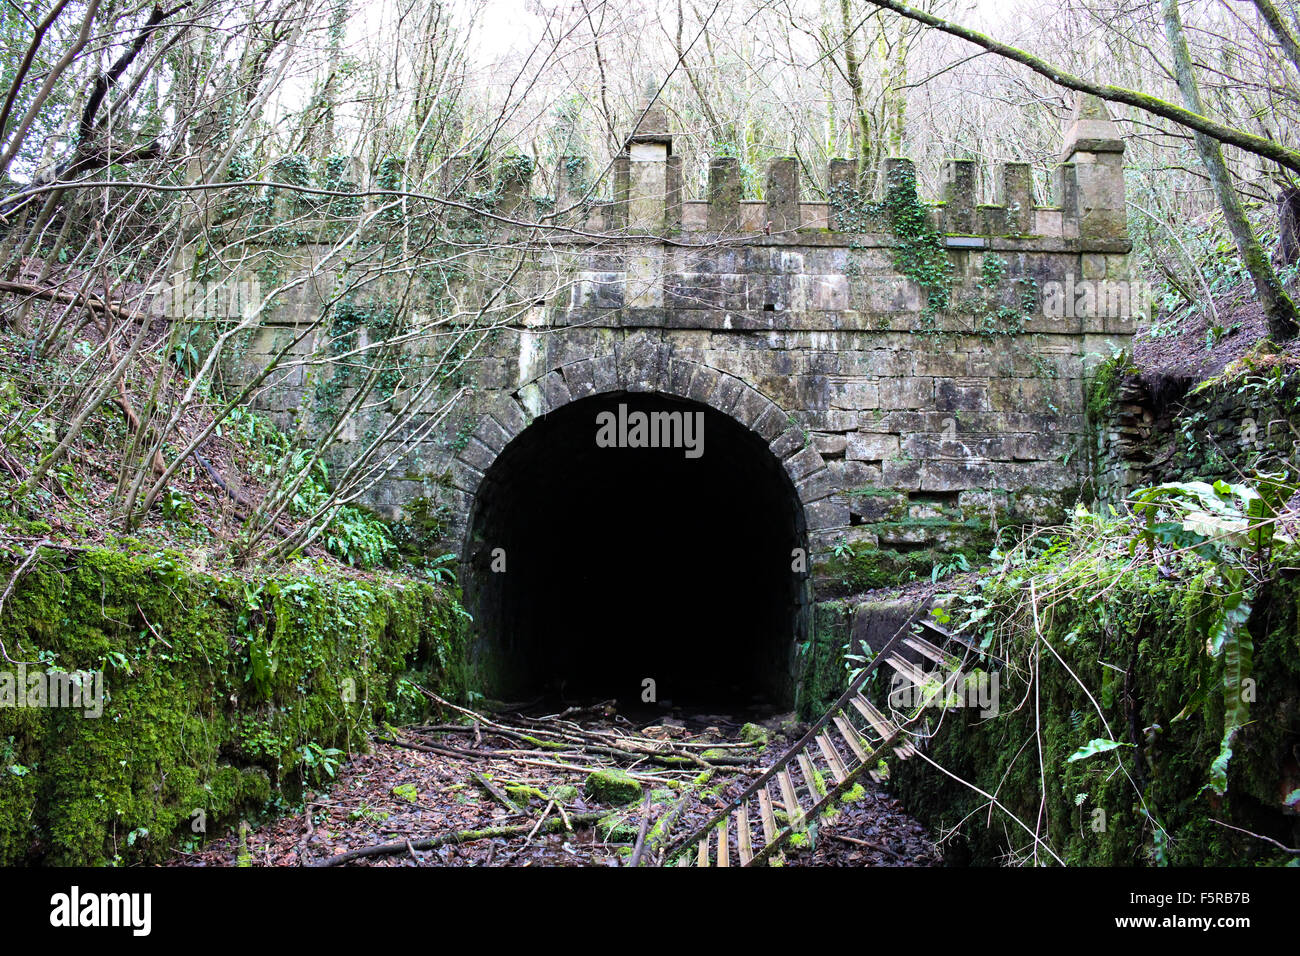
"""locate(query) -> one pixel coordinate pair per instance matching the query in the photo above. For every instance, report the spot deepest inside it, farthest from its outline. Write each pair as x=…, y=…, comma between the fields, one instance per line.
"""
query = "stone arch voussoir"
x=652, y=368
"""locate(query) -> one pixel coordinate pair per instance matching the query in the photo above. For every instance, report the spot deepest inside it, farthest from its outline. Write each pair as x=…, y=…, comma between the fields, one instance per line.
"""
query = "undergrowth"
x=1137, y=650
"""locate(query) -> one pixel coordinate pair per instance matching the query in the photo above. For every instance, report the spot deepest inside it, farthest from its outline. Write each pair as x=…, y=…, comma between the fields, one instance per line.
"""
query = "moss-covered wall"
x=223, y=695
x=1246, y=417
x=1140, y=649
x=820, y=675
x=1141, y=652
x=901, y=537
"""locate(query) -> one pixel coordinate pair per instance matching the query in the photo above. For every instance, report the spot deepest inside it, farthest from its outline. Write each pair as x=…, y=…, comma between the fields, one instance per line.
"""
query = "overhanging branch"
x=1258, y=145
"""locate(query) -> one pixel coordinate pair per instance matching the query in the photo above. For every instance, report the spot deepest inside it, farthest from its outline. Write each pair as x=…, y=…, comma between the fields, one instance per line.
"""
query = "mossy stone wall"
x=1163, y=698
x=223, y=695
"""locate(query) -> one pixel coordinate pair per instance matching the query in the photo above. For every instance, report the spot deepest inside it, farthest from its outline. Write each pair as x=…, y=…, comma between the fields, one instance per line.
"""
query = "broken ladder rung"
x=793, y=811
x=744, y=842
x=810, y=776
x=832, y=758
x=850, y=737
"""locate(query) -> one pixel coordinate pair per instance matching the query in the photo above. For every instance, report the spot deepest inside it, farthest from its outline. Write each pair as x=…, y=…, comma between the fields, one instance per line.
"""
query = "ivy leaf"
x=1098, y=745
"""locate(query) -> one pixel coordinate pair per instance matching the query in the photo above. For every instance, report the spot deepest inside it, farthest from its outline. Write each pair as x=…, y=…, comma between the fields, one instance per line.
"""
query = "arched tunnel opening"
x=595, y=566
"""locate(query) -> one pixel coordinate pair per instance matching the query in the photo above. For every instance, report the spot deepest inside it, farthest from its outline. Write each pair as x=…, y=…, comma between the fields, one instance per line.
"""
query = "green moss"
x=1106, y=380
x=1142, y=654
x=611, y=786
x=754, y=734
x=523, y=793
x=821, y=660
x=222, y=696
x=854, y=794
x=617, y=828
x=407, y=792
x=563, y=793
x=869, y=568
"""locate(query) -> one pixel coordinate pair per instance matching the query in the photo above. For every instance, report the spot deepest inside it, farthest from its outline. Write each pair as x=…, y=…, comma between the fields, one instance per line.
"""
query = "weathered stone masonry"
x=897, y=429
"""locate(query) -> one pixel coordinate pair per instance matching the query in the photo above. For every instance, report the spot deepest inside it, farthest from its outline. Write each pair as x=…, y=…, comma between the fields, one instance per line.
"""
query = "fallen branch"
x=867, y=843
x=640, y=836
x=431, y=749
x=635, y=748
x=92, y=302
x=460, y=836
x=215, y=477
x=495, y=793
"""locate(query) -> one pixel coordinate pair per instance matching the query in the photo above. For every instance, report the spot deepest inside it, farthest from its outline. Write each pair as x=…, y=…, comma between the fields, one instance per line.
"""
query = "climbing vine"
x=921, y=254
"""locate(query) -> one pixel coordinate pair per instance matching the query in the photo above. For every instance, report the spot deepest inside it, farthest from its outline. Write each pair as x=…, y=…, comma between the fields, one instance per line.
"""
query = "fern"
x=1230, y=640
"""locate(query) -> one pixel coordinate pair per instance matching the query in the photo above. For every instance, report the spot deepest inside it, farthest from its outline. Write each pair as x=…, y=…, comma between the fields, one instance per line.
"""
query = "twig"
x=431, y=749
x=311, y=830
x=640, y=836
x=540, y=821
x=460, y=836
x=152, y=629
x=494, y=792
x=1258, y=836
x=867, y=843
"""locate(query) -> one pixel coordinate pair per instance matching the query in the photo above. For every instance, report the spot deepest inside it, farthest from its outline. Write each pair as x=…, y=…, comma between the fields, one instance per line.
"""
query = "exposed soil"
x=1188, y=354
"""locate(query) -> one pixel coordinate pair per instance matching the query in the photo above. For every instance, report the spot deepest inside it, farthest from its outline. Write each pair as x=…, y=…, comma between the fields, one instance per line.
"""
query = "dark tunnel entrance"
x=628, y=563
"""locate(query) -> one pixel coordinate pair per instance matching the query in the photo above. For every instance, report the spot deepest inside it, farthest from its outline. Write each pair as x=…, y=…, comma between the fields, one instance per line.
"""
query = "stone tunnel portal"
x=594, y=564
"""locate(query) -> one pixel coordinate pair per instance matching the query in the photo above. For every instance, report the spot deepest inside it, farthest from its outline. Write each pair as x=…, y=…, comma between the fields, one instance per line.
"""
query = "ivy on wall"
x=920, y=254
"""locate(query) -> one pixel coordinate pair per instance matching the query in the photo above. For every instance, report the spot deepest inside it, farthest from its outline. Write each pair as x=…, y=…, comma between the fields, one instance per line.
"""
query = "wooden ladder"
x=791, y=795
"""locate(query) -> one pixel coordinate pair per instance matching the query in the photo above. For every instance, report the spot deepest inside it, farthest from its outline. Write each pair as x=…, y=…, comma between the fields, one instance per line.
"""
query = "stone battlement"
x=648, y=194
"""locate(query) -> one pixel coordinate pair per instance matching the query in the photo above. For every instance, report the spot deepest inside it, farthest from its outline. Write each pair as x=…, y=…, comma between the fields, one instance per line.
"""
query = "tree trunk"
x=853, y=71
x=1288, y=227
x=1278, y=308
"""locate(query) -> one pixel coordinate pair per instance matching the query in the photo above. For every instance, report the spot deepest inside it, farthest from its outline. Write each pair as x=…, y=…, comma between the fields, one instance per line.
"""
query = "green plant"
x=856, y=658
x=438, y=570
x=1233, y=526
x=958, y=563
x=185, y=353
x=919, y=251
x=359, y=538
x=176, y=506
x=315, y=760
